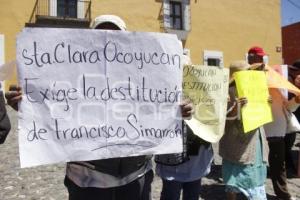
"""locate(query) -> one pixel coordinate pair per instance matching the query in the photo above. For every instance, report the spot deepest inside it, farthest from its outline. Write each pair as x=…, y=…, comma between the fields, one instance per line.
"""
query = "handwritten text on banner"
x=207, y=87
x=253, y=86
x=91, y=94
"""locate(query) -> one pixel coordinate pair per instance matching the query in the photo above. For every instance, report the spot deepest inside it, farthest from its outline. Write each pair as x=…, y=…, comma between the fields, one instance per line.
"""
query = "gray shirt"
x=86, y=177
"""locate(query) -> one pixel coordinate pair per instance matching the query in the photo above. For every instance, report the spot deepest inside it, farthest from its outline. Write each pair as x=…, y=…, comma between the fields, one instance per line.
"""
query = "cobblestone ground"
x=46, y=182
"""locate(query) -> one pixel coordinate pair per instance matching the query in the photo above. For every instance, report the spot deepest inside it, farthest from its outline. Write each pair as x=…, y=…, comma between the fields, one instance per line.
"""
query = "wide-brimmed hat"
x=239, y=65
x=109, y=19
x=235, y=66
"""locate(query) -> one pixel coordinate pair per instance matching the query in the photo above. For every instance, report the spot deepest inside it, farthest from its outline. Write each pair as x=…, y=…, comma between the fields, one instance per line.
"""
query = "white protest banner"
x=92, y=94
x=207, y=88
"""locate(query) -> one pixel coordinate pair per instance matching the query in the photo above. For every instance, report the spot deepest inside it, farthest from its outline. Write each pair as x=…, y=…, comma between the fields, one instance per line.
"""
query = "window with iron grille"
x=176, y=15
x=67, y=8
x=213, y=58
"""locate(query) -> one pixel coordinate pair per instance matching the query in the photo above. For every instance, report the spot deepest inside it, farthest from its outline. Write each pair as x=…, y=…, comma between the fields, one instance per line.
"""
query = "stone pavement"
x=46, y=182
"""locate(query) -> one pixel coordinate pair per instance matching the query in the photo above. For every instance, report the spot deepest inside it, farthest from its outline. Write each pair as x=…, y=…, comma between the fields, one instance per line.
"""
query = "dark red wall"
x=291, y=43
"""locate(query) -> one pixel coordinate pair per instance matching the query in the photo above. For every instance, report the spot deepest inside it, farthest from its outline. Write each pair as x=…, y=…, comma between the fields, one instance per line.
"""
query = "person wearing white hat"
x=126, y=178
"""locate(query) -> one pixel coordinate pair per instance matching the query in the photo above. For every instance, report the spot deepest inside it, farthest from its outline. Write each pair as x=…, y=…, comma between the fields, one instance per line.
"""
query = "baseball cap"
x=109, y=19
x=257, y=51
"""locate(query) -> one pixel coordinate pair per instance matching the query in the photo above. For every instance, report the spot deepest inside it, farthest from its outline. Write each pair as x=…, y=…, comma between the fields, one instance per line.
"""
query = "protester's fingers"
x=187, y=115
x=243, y=101
x=13, y=98
x=187, y=111
x=270, y=100
x=186, y=108
x=12, y=94
x=14, y=101
x=184, y=103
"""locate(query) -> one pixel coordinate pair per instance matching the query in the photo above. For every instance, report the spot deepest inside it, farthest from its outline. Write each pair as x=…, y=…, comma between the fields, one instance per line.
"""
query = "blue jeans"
x=171, y=190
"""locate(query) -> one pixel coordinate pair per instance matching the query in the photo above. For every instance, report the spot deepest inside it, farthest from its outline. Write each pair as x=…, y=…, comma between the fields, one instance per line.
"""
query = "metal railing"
x=49, y=8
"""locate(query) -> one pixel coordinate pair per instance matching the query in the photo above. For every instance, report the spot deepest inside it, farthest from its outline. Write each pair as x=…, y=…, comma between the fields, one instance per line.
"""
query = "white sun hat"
x=109, y=19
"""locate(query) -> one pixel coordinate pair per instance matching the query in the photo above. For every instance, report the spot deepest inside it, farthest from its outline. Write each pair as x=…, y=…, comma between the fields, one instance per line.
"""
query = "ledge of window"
x=181, y=34
x=59, y=22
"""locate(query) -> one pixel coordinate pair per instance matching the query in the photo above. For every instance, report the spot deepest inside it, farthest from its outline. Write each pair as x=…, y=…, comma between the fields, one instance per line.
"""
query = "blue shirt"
x=194, y=169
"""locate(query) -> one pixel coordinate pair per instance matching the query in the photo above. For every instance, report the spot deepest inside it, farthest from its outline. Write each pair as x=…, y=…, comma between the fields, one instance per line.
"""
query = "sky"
x=290, y=12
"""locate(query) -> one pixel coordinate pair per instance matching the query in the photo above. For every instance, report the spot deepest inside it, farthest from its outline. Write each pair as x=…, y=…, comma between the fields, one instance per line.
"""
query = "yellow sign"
x=253, y=86
x=207, y=88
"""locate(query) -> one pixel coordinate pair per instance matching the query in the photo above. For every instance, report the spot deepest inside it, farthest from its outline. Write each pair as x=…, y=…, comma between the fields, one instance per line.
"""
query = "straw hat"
x=235, y=66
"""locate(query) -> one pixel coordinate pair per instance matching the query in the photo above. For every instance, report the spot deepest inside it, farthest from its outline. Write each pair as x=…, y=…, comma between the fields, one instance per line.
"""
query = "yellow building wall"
x=139, y=15
x=13, y=16
x=233, y=26
x=230, y=26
